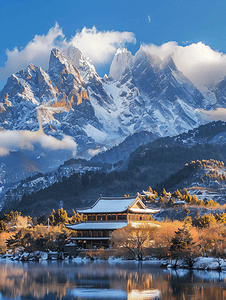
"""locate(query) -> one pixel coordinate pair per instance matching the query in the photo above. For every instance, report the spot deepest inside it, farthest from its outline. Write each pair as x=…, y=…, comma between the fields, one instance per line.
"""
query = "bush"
x=59, y=217
x=203, y=221
x=3, y=226
x=39, y=238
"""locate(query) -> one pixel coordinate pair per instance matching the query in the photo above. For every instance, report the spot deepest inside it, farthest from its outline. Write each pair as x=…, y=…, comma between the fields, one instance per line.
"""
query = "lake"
x=107, y=280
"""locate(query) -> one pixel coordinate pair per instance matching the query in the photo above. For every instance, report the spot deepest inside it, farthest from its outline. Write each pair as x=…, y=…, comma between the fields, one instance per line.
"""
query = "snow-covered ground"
x=202, y=263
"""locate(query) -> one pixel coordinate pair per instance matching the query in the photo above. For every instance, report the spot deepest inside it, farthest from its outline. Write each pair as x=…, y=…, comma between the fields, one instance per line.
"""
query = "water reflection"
x=84, y=280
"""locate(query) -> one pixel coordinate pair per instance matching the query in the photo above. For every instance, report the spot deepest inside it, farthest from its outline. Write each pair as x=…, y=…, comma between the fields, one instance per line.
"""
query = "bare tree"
x=134, y=240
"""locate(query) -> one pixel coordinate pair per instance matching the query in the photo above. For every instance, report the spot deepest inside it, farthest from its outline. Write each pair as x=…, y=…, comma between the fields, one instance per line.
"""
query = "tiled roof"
x=145, y=211
x=110, y=205
x=98, y=225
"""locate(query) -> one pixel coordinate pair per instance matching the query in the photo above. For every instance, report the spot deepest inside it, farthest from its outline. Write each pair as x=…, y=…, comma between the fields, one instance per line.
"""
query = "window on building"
x=99, y=233
x=105, y=233
x=79, y=233
x=101, y=218
x=91, y=218
x=85, y=233
x=122, y=217
x=95, y=233
x=111, y=217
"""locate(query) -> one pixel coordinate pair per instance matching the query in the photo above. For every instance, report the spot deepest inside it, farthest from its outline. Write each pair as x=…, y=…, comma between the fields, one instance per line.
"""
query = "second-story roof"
x=117, y=205
x=110, y=205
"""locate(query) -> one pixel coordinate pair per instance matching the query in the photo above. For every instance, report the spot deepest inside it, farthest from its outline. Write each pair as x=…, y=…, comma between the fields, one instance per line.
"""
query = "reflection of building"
x=144, y=295
x=107, y=215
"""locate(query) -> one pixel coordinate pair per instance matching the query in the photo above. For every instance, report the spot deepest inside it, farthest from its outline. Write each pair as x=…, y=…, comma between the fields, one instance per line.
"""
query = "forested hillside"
x=149, y=166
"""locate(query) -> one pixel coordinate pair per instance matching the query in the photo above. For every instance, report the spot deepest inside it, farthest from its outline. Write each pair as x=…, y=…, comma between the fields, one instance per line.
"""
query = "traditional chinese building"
x=106, y=215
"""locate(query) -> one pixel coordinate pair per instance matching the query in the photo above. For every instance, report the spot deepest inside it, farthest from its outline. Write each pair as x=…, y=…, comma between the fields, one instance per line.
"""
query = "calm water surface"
x=113, y=280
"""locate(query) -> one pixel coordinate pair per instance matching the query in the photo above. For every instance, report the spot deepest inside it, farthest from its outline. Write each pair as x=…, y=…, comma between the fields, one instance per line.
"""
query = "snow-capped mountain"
x=170, y=99
x=141, y=93
x=142, y=98
x=85, y=68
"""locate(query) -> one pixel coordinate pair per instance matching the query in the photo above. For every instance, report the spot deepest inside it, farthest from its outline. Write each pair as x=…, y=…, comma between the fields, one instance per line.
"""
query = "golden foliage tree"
x=77, y=218
x=134, y=240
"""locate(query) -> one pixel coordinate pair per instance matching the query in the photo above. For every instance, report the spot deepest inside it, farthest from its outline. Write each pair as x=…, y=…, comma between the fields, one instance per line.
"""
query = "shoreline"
x=201, y=263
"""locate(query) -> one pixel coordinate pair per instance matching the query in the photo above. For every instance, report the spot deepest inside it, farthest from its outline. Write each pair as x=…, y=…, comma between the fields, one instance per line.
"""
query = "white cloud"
x=99, y=46
x=36, y=51
x=93, y=152
x=213, y=115
x=4, y=151
x=19, y=140
x=201, y=64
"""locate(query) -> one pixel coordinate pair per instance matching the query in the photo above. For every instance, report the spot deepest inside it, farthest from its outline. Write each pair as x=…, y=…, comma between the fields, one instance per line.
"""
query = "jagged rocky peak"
x=143, y=56
x=85, y=68
x=30, y=84
x=119, y=63
x=28, y=73
x=12, y=87
x=74, y=55
x=63, y=73
x=168, y=62
x=60, y=65
x=139, y=56
x=39, y=82
x=141, y=66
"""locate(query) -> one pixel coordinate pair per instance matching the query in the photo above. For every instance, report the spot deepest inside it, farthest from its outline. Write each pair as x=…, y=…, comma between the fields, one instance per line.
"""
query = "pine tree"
x=156, y=194
x=150, y=190
x=194, y=199
x=187, y=197
x=182, y=246
x=164, y=194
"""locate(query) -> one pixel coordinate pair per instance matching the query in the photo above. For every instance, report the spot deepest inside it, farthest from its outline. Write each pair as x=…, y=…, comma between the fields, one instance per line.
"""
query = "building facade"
x=106, y=215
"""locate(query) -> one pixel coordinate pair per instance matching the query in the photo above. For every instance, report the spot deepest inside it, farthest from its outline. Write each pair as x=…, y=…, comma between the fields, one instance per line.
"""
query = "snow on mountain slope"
x=219, y=91
x=142, y=92
x=119, y=63
x=168, y=99
x=85, y=68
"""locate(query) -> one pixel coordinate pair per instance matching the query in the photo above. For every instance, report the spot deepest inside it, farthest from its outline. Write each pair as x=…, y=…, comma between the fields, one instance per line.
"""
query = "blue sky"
x=184, y=23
